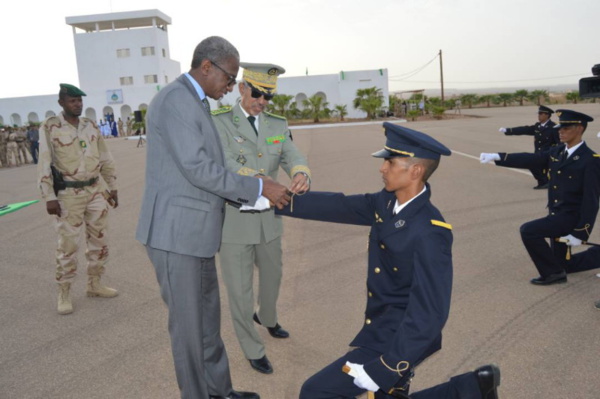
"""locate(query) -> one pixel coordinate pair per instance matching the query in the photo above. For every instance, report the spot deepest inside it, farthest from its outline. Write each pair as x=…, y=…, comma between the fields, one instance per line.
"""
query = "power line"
x=398, y=78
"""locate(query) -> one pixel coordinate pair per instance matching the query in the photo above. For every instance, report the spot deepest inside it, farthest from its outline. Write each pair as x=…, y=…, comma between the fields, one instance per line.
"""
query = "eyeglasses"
x=257, y=94
x=231, y=77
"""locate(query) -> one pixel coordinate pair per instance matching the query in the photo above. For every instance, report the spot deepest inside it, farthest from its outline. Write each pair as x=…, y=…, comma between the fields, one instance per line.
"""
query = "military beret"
x=71, y=90
x=404, y=142
x=567, y=117
x=262, y=76
x=545, y=110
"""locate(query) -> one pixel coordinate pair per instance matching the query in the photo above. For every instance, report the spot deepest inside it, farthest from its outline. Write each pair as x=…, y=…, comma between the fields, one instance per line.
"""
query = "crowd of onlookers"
x=18, y=145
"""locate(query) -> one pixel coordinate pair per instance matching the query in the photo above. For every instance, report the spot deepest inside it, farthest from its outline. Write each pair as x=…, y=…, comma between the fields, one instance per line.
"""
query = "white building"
x=123, y=60
x=336, y=89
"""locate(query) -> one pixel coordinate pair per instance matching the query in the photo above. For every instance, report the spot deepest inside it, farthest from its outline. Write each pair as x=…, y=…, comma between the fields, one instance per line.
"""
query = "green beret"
x=71, y=90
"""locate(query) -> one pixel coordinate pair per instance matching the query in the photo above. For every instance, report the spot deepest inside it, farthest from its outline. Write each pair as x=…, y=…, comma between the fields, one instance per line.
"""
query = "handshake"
x=276, y=194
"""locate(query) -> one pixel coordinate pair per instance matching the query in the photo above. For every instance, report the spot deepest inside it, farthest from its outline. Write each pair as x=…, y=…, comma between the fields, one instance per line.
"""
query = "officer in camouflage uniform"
x=75, y=148
x=256, y=143
x=12, y=148
x=3, y=150
x=22, y=145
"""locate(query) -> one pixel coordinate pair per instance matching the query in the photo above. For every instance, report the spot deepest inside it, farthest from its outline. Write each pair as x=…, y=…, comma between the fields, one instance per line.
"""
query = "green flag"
x=4, y=209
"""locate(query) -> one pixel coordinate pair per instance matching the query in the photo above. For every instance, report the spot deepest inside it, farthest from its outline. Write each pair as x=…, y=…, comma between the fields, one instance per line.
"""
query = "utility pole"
x=442, y=75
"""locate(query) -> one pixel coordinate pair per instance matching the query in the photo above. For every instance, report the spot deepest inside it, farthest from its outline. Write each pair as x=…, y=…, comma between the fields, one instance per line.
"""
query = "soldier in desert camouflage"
x=74, y=146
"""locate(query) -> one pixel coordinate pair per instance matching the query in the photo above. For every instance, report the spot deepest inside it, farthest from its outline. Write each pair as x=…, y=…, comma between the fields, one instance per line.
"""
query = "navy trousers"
x=333, y=383
x=552, y=258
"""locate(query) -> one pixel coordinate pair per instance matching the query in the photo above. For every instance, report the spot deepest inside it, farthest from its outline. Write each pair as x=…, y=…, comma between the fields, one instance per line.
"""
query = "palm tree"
x=469, y=99
x=315, y=106
x=573, y=96
x=505, y=98
x=293, y=112
x=537, y=95
x=487, y=99
x=368, y=100
x=280, y=103
x=341, y=110
x=521, y=95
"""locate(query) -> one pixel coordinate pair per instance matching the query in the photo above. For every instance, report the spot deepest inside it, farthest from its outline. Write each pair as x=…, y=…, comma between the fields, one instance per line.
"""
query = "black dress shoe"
x=276, y=332
x=488, y=378
x=238, y=395
x=262, y=365
x=556, y=278
x=541, y=186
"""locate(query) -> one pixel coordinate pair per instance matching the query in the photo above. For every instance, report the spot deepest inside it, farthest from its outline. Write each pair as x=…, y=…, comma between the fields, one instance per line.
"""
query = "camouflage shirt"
x=79, y=153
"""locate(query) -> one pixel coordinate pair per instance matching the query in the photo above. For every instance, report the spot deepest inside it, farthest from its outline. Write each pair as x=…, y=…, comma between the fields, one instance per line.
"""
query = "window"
x=164, y=53
x=146, y=51
x=150, y=79
x=122, y=53
x=126, y=80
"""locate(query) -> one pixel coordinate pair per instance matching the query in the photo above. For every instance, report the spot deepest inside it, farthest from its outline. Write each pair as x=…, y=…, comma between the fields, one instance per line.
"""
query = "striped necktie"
x=206, y=104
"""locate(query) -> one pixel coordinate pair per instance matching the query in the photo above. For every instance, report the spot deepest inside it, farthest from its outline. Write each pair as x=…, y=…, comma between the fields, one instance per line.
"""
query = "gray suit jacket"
x=186, y=178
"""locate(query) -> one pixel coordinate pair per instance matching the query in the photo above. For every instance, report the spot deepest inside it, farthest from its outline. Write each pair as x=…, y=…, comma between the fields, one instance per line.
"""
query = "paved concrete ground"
x=545, y=339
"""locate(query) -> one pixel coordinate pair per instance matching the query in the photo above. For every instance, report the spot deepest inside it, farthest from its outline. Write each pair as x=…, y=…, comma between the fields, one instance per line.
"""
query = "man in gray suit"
x=182, y=215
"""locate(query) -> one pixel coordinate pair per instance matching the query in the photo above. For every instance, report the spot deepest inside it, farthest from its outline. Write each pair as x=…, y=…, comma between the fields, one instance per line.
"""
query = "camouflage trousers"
x=3, y=155
x=81, y=209
x=13, y=151
x=22, y=150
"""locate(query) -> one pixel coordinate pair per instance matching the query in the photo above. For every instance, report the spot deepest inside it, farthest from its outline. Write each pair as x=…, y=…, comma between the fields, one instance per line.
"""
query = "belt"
x=81, y=183
x=255, y=211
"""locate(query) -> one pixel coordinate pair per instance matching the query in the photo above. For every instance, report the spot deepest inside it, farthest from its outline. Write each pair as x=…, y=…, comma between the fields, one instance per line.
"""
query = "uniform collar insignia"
x=399, y=224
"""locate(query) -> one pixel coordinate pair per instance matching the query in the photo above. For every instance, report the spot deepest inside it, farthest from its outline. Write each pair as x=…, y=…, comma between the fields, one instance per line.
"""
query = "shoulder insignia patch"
x=274, y=116
x=441, y=224
x=222, y=110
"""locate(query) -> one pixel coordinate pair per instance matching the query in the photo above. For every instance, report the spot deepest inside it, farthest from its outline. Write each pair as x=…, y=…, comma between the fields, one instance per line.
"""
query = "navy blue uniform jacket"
x=409, y=281
x=545, y=137
x=574, y=184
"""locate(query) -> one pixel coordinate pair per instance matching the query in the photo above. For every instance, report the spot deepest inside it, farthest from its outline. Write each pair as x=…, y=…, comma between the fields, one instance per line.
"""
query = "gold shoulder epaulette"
x=222, y=110
x=275, y=116
x=441, y=224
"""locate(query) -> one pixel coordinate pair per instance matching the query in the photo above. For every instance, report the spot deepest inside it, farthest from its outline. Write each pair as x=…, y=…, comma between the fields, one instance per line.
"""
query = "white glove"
x=570, y=240
x=487, y=157
x=502, y=130
x=361, y=378
x=261, y=204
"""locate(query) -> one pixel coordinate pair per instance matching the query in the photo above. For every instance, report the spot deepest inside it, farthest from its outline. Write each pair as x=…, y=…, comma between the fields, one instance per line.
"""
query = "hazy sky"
x=485, y=43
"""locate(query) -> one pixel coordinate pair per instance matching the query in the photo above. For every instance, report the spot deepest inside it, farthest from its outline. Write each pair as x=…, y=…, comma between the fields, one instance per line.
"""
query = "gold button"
x=555, y=187
x=262, y=171
x=370, y=294
x=377, y=270
x=260, y=154
x=368, y=321
x=558, y=172
x=241, y=150
x=395, y=269
x=555, y=201
x=382, y=246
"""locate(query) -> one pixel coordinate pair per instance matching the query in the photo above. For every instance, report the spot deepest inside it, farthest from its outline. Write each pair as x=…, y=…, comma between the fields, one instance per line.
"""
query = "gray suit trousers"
x=189, y=287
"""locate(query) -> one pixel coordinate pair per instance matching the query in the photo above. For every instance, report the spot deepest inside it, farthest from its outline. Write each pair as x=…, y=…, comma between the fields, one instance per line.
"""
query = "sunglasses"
x=231, y=77
x=257, y=94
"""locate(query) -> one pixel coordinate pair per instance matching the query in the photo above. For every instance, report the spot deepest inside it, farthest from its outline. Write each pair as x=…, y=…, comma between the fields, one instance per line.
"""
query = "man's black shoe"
x=556, y=278
x=276, y=332
x=238, y=395
x=541, y=186
x=488, y=378
x=262, y=365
